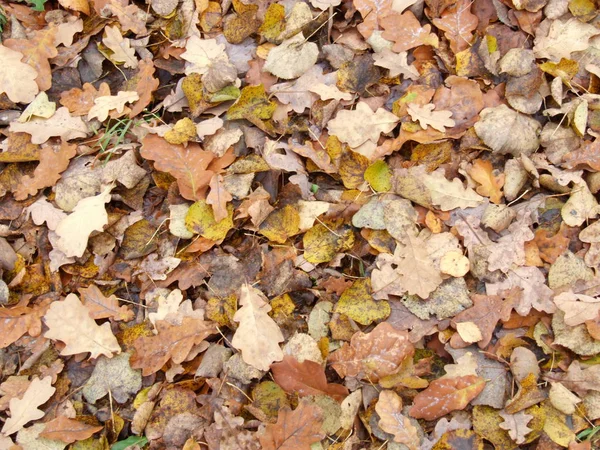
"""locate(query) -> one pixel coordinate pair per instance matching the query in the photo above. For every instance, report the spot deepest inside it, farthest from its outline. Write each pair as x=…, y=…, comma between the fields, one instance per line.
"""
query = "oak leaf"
x=52, y=163
x=68, y=430
x=458, y=24
x=406, y=32
x=257, y=336
x=69, y=321
x=445, y=395
x=25, y=409
x=578, y=308
x=173, y=342
x=218, y=197
x=80, y=101
x=563, y=37
x=426, y=116
x=144, y=83
x=305, y=378
x=396, y=63
x=490, y=185
x=88, y=216
x=130, y=16
x=373, y=355
x=17, y=79
x=371, y=11
x=101, y=307
x=18, y=320
x=121, y=47
x=61, y=124
x=104, y=105
x=391, y=420
x=189, y=165
x=449, y=195
x=36, y=52
x=294, y=430
x=362, y=125
x=201, y=54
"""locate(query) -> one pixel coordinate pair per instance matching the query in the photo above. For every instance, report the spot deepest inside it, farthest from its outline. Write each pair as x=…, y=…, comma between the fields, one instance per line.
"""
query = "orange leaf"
x=102, y=307
x=444, y=395
x=458, y=24
x=68, y=430
x=490, y=184
x=188, y=164
x=305, y=378
x=218, y=197
x=294, y=430
x=47, y=173
x=406, y=32
x=144, y=84
x=79, y=102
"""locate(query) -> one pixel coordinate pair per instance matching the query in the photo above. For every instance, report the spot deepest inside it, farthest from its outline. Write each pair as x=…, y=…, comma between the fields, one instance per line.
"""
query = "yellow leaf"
x=253, y=103
x=274, y=23
x=323, y=241
x=201, y=220
x=182, y=132
x=352, y=169
x=379, y=176
x=281, y=224
x=357, y=303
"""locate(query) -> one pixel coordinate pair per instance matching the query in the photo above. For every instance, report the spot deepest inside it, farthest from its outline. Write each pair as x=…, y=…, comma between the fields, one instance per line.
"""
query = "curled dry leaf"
x=373, y=355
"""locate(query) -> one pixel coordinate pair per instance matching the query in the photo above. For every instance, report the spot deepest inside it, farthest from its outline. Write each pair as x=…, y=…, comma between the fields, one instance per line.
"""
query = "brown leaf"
x=68, y=430
x=52, y=163
x=36, y=52
x=458, y=24
x=305, y=378
x=144, y=83
x=391, y=420
x=587, y=155
x=486, y=311
x=80, y=101
x=371, y=12
x=406, y=32
x=550, y=245
x=445, y=395
x=188, y=164
x=218, y=197
x=373, y=355
x=172, y=342
x=294, y=430
x=17, y=321
x=101, y=307
x=130, y=16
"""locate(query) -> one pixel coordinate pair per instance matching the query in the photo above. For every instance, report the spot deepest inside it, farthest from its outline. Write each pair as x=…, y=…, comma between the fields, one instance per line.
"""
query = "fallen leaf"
x=294, y=430
x=426, y=116
x=101, y=307
x=61, y=124
x=80, y=101
x=218, y=197
x=490, y=184
x=391, y=420
x=396, y=63
x=446, y=395
x=292, y=57
x=25, y=409
x=458, y=24
x=103, y=105
x=257, y=336
x=130, y=16
x=373, y=355
x=113, y=375
x=69, y=321
x=17, y=79
x=305, y=378
x=68, y=430
x=516, y=425
x=406, y=32
x=121, y=47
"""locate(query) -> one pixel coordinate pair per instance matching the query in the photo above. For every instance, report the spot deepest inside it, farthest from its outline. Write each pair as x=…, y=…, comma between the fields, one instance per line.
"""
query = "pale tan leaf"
x=17, y=79
x=257, y=336
x=121, y=47
x=391, y=420
x=396, y=63
x=516, y=425
x=61, y=124
x=292, y=58
x=426, y=116
x=103, y=105
x=25, y=409
x=69, y=321
x=201, y=54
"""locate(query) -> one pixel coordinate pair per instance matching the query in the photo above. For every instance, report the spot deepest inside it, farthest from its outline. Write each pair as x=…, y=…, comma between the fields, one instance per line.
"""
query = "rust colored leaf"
x=16, y=321
x=373, y=355
x=218, y=197
x=371, y=12
x=486, y=311
x=101, y=307
x=144, y=84
x=36, y=52
x=550, y=245
x=68, y=430
x=445, y=395
x=406, y=32
x=189, y=165
x=172, y=342
x=294, y=430
x=490, y=184
x=52, y=163
x=80, y=101
x=305, y=378
x=458, y=24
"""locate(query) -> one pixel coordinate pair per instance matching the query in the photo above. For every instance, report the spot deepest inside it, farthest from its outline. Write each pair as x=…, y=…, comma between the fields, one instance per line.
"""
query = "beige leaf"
x=76, y=5
x=292, y=57
x=130, y=16
x=67, y=30
x=563, y=399
x=493, y=123
x=209, y=127
x=563, y=38
x=426, y=116
x=69, y=321
x=201, y=54
x=42, y=211
x=17, y=79
x=103, y=105
x=455, y=263
x=465, y=365
x=397, y=63
x=580, y=207
x=449, y=195
x=329, y=92
x=166, y=305
x=218, y=197
x=88, y=216
x=350, y=406
x=516, y=425
x=391, y=420
x=469, y=332
x=258, y=335
x=121, y=47
x=325, y=4
x=60, y=124
x=25, y=409
x=578, y=308
x=356, y=127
